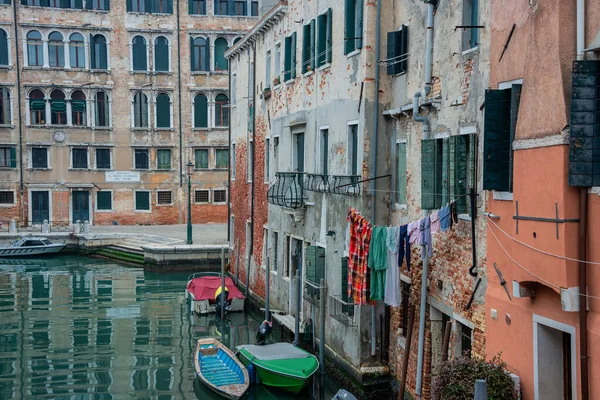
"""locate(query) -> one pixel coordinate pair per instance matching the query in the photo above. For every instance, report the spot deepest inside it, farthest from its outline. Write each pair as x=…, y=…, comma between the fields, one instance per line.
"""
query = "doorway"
x=81, y=205
x=40, y=206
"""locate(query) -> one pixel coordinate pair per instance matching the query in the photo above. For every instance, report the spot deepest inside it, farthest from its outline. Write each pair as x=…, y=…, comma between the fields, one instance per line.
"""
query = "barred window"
x=201, y=196
x=163, y=197
x=465, y=340
x=7, y=197
x=219, y=196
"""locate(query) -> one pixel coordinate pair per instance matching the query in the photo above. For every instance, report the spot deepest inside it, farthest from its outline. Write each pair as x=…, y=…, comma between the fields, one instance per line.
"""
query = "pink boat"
x=200, y=292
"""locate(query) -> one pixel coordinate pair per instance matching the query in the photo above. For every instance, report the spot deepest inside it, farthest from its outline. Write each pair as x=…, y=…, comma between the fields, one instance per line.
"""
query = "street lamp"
x=189, y=168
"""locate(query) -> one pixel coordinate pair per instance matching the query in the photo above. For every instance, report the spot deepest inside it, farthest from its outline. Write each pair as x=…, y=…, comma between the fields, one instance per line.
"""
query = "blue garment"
x=425, y=237
x=404, y=249
x=445, y=218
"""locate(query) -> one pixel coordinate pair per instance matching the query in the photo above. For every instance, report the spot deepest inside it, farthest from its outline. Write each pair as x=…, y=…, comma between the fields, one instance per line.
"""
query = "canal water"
x=85, y=328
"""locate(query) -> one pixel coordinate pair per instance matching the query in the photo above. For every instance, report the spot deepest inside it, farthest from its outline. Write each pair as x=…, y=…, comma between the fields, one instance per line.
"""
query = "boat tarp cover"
x=204, y=288
x=281, y=358
x=276, y=351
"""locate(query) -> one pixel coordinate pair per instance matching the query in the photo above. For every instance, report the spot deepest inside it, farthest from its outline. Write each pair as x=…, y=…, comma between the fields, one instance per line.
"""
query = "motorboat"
x=201, y=289
x=31, y=246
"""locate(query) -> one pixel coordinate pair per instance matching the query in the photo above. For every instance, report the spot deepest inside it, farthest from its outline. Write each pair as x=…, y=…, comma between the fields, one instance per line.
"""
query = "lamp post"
x=189, y=167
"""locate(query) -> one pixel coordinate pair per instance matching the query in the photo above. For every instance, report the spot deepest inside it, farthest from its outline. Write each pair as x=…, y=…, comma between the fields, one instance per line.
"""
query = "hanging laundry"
x=404, y=247
x=378, y=262
x=358, y=272
x=445, y=218
x=453, y=213
x=392, y=276
x=435, y=222
x=425, y=237
x=413, y=232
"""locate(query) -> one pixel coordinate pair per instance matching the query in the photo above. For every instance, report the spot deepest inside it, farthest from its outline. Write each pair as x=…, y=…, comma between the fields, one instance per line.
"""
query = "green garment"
x=378, y=262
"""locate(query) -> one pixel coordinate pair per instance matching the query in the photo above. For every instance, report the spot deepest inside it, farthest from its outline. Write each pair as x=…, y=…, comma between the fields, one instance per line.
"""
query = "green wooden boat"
x=280, y=365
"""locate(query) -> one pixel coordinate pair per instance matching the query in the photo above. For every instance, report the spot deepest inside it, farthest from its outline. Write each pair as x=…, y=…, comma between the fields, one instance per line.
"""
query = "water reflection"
x=79, y=328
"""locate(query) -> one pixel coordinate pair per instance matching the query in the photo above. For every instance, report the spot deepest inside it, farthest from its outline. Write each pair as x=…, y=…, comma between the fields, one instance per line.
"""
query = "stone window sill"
x=324, y=66
x=503, y=196
x=353, y=53
x=165, y=205
x=104, y=211
x=471, y=50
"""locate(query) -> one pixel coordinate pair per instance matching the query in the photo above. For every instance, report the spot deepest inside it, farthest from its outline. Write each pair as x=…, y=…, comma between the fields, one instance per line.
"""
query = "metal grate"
x=288, y=190
x=201, y=196
x=7, y=197
x=465, y=340
x=164, y=197
x=219, y=196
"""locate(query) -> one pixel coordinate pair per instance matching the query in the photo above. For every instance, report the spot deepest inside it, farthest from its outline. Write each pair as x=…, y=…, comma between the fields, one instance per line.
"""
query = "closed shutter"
x=129, y=6
x=93, y=51
x=497, y=146
x=287, y=58
x=102, y=158
x=461, y=163
x=193, y=56
x=358, y=30
x=305, y=47
x=3, y=48
x=139, y=54
x=201, y=158
x=169, y=6
x=321, y=39
x=13, y=157
x=161, y=54
x=79, y=4
x=403, y=53
x=231, y=7
x=200, y=111
x=163, y=111
x=311, y=263
x=222, y=158
x=401, y=173
x=206, y=66
x=293, y=56
x=431, y=168
x=164, y=159
x=348, y=310
x=392, y=38
x=191, y=9
x=349, y=26
x=515, y=100
x=148, y=6
x=104, y=201
x=313, y=27
x=329, y=48
x=142, y=200
x=65, y=4
x=584, y=151
x=106, y=5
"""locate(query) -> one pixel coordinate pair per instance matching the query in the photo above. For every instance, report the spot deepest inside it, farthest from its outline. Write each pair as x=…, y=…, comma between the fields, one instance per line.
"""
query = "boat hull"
x=31, y=251
x=204, y=307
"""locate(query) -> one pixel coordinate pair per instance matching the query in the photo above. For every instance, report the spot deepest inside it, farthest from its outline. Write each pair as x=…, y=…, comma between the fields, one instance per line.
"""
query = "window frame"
x=202, y=51
x=7, y=204
x=79, y=116
x=76, y=51
x=5, y=106
x=470, y=17
x=323, y=154
x=38, y=49
x=98, y=111
x=99, y=52
x=5, y=46
x=233, y=161
x=158, y=165
x=136, y=64
x=202, y=5
x=214, y=195
x=157, y=54
x=87, y=157
x=277, y=64
x=135, y=201
x=400, y=195
x=221, y=149
x=35, y=115
x=267, y=166
x=221, y=111
x=31, y=151
x=56, y=117
x=197, y=149
x=58, y=48
x=197, y=191
x=139, y=107
x=274, y=265
x=110, y=161
x=158, y=199
x=11, y=151
x=97, y=202
x=135, y=153
x=353, y=158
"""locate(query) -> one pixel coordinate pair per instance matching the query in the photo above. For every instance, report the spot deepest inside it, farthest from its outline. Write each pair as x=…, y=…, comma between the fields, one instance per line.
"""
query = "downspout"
x=426, y=131
x=16, y=41
x=179, y=95
x=250, y=252
x=580, y=29
x=375, y=132
x=229, y=169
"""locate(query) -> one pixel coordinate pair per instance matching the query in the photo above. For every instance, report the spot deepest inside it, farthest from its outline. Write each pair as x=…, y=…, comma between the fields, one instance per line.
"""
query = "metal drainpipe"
x=250, y=252
x=374, y=167
x=16, y=41
x=229, y=168
x=426, y=130
x=179, y=95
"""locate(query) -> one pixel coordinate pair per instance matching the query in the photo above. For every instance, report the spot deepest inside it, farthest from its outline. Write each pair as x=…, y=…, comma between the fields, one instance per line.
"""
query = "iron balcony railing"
x=337, y=184
x=288, y=190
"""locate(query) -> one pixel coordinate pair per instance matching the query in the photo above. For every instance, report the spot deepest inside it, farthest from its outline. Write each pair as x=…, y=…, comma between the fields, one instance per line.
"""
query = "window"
x=240, y=7
x=3, y=47
x=251, y=83
x=162, y=7
x=277, y=64
x=447, y=168
x=221, y=110
x=200, y=111
x=308, y=47
x=141, y=159
x=290, y=57
x=267, y=160
x=139, y=53
x=233, y=162
x=161, y=54
x=405, y=293
x=103, y=201
x=231, y=231
x=500, y=122
x=5, y=117
x=286, y=255
x=232, y=89
x=163, y=111
x=99, y=5
x=140, y=110
x=76, y=51
x=324, y=43
x=250, y=157
x=353, y=25
x=200, y=56
x=276, y=154
x=222, y=158
x=35, y=54
x=470, y=37
x=201, y=196
x=353, y=149
x=163, y=159
x=465, y=340
x=197, y=7
x=324, y=152
x=298, y=152
x=275, y=264
x=78, y=107
x=221, y=7
x=56, y=50
x=401, y=173
x=98, y=52
x=39, y=157
x=220, y=49
x=8, y=157
x=397, y=51
x=79, y=158
x=37, y=107
x=265, y=247
x=103, y=158
x=201, y=158
x=142, y=201
x=219, y=196
x=254, y=8
x=138, y=6
x=164, y=197
x=58, y=108
x=7, y=197
x=315, y=270
x=102, y=110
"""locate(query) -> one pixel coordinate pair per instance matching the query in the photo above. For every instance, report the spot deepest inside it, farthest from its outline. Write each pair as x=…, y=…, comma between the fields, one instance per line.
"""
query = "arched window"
x=221, y=110
x=4, y=107
x=56, y=50
x=58, y=108
x=78, y=107
x=77, y=51
x=37, y=107
x=220, y=49
x=163, y=111
x=237, y=40
x=3, y=47
x=102, y=110
x=161, y=54
x=98, y=53
x=35, y=54
x=139, y=51
x=140, y=110
x=200, y=111
x=200, y=55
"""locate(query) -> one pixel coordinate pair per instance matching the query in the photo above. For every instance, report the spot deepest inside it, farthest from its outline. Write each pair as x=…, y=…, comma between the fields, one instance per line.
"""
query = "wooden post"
x=446, y=341
x=222, y=280
x=409, y=329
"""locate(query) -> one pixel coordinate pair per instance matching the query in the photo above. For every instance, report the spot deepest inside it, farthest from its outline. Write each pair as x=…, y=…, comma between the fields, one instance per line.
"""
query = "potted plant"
x=266, y=93
x=276, y=81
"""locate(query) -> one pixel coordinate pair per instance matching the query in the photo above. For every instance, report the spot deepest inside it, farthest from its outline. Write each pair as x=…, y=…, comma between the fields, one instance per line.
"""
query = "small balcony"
x=337, y=184
x=288, y=190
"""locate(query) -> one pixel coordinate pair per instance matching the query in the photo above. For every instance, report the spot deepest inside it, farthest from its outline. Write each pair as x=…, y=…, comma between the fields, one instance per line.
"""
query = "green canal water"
x=84, y=328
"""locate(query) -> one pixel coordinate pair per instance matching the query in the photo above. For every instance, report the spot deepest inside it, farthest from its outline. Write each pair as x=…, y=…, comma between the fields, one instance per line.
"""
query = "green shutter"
x=163, y=111
x=313, y=27
x=3, y=48
x=497, y=146
x=474, y=22
x=329, y=44
x=222, y=158
x=92, y=53
x=321, y=39
x=193, y=56
x=287, y=59
x=448, y=168
x=13, y=157
x=584, y=151
x=461, y=163
x=358, y=31
x=403, y=64
x=401, y=173
x=106, y=5
x=349, y=26
x=79, y=4
x=431, y=168
x=164, y=158
x=139, y=54
x=58, y=105
x=104, y=200
x=391, y=52
x=129, y=6
x=201, y=158
x=311, y=263
x=148, y=6
x=65, y=4
x=515, y=100
x=37, y=105
x=169, y=6
x=78, y=105
x=142, y=200
x=206, y=66
x=191, y=7
x=220, y=49
x=293, y=57
x=344, y=279
x=305, y=47
x=161, y=54
x=200, y=111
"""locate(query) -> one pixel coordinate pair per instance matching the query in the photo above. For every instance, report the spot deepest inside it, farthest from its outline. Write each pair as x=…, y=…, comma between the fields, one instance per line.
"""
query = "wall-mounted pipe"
x=580, y=29
x=19, y=109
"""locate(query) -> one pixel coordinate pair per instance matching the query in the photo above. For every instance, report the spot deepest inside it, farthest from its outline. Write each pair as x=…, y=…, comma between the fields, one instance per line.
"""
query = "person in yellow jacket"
x=219, y=290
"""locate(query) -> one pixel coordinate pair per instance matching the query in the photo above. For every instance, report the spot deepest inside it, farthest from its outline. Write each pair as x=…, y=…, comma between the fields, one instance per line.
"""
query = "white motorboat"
x=30, y=246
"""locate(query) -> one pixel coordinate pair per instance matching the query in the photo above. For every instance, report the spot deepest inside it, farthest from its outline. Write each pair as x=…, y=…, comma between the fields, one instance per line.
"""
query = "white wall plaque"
x=122, y=176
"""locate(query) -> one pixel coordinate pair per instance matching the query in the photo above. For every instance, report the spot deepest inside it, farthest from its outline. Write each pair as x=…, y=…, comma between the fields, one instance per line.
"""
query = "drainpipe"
x=426, y=131
x=580, y=29
x=229, y=169
x=375, y=132
x=251, y=250
x=179, y=95
x=16, y=41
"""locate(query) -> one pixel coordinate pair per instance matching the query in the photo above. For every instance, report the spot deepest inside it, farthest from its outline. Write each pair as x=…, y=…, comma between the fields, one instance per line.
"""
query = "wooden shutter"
x=584, y=151
x=311, y=264
x=497, y=145
x=161, y=55
x=313, y=27
x=92, y=52
x=392, y=38
x=200, y=111
x=163, y=111
x=431, y=166
x=305, y=47
x=139, y=54
x=104, y=201
x=344, y=279
x=13, y=157
x=79, y=4
x=129, y=5
x=206, y=66
x=461, y=163
x=148, y=6
x=401, y=173
x=349, y=26
x=142, y=200
x=321, y=39
x=169, y=6
x=320, y=259
x=293, y=56
x=329, y=43
x=65, y=4
x=515, y=100
x=358, y=30
x=3, y=48
x=403, y=50
x=106, y=5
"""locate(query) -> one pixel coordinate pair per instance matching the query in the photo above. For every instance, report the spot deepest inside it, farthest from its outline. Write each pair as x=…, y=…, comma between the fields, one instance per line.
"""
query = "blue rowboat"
x=219, y=369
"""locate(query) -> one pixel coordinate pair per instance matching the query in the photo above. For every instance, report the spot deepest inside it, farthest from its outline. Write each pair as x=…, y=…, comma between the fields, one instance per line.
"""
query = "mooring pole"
x=298, y=305
x=267, y=285
x=223, y=279
x=322, y=302
x=409, y=332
